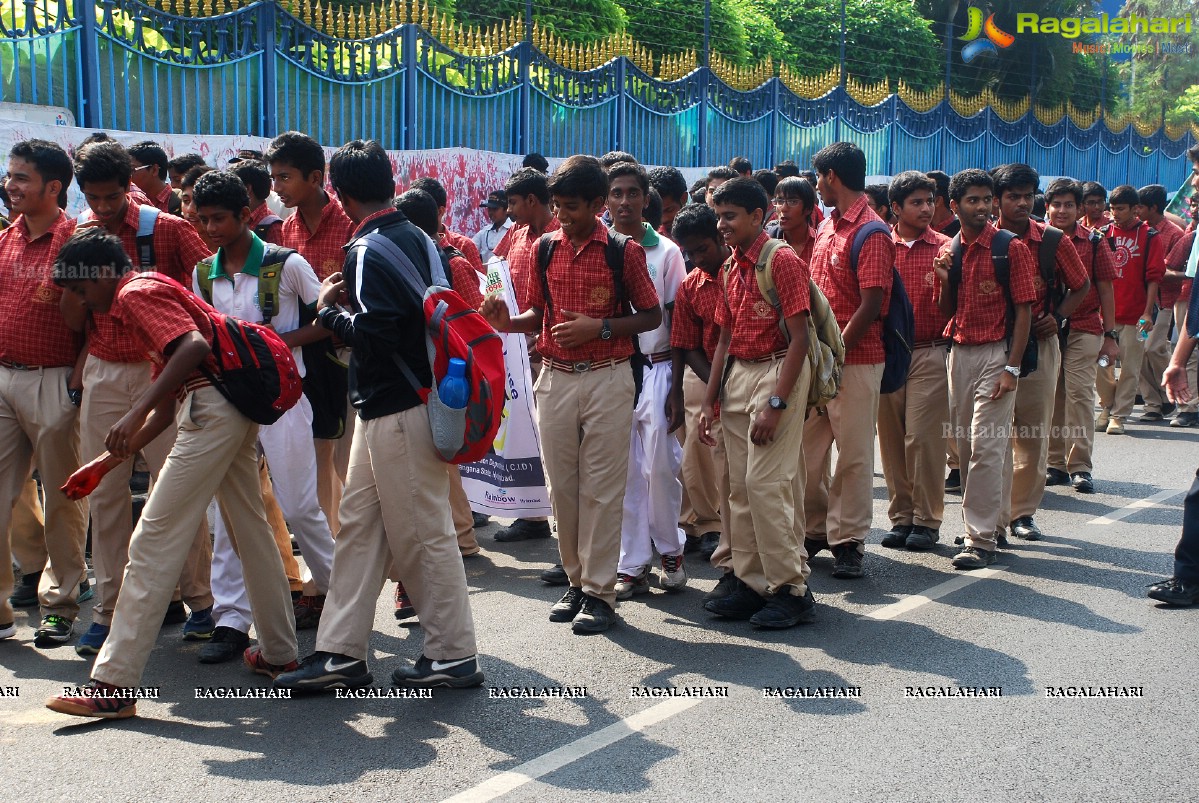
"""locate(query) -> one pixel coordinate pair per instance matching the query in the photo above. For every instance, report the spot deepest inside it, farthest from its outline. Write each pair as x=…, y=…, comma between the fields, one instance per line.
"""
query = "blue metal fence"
x=260, y=70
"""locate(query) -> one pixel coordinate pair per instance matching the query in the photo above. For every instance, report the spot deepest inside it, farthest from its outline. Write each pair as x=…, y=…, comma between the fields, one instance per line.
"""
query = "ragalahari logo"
x=994, y=38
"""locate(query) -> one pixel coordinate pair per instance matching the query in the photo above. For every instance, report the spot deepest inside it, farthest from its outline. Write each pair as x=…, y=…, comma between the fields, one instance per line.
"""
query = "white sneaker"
x=629, y=584
x=674, y=576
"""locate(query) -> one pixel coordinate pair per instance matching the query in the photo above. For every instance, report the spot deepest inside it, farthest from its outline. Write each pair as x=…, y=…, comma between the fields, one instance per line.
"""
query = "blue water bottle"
x=454, y=390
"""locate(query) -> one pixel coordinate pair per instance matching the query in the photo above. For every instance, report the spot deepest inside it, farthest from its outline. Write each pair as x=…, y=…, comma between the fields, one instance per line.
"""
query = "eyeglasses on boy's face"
x=781, y=202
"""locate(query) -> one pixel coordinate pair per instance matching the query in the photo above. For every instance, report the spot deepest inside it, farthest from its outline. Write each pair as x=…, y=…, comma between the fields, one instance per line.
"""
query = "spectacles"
x=145, y=167
x=781, y=202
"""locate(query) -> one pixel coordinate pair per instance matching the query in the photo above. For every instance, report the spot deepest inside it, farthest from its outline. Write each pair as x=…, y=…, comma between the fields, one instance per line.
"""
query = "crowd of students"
x=698, y=353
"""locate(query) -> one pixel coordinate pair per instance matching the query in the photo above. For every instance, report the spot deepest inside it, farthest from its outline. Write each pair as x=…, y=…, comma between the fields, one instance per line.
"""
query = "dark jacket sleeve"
x=380, y=305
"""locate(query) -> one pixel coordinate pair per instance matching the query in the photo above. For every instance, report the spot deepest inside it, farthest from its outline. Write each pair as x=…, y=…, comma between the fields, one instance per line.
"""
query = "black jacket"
x=386, y=320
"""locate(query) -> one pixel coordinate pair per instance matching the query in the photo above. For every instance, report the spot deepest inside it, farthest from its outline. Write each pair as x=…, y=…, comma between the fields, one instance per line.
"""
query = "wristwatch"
x=777, y=403
x=605, y=330
x=1014, y=370
x=1112, y=333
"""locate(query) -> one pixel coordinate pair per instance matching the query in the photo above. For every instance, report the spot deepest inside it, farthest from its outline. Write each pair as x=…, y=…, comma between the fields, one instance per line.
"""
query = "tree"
x=582, y=21
x=1160, y=82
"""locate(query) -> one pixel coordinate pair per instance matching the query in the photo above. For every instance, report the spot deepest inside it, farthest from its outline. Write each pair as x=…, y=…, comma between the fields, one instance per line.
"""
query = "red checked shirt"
x=324, y=248
x=1102, y=268
x=834, y=275
x=1177, y=259
x=177, y=250
x=1136, y=266
x=32, y=330
x=1169, y=233
x=274, y=232
x=693, y=321
x=522, y=258
x=163, y=199
x=981, y=315
x=915, y=265
x=1070, y=270
x=464, y=244
x=465, y=280
x=155, y=314
x=750, y=317
x=582, y=282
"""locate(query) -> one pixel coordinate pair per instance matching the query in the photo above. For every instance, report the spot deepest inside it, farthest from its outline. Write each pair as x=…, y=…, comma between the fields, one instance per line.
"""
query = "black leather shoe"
x=922, y=538
x=479, y=519
x=24, y=595
x=1175, y=592
x=814, y=546
x=847, y=563
x=555, y=576
x=1082, y=482
x=523, y=530
x=568, y=607
x=898, y=536
x=708, y=542
x=726, y=585
x=176, y=614
x=1024, y=527
x=784, y=609
x=1055, y=476
x=595, y=616
x=953, y=483
x=743, y=603
x=225, y=645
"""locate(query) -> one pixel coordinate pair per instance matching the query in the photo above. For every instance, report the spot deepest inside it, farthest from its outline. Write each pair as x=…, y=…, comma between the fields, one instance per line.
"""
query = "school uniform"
x=1158, y=347
x=1177, y=260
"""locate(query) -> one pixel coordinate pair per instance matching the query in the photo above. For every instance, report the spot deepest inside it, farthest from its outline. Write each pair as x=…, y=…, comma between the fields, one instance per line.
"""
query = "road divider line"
x=554, y=760
x=1136, y=507
x=911, y=603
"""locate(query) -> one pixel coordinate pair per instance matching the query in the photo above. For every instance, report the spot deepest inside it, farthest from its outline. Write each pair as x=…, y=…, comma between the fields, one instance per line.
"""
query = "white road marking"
x=1136, y=507
x=914, y=601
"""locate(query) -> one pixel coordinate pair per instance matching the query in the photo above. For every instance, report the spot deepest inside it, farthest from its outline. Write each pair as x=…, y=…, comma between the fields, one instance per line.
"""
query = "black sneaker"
x=898, y=536
x=726, y=585
x=1175, y=592
x=847, y=561
x=1082, y=482
x=479, y=519
x=784, y=609
x=24, y=595
x=555, y=576
x=462, y=673
x=1000, y=538
x=176, y=614
x=1185, y=420
x=523, y=530
x=708, y=544
x=1150, y=416
x=595, y=616
x=567, y=608
x=225, y=645
x=690, y=544
x=922, y=538
x=814, y=546
x=322, y=671
x=54, y=630
x=742, y=603
x=1024, y=527
x=1055, y=476
x=953, y=483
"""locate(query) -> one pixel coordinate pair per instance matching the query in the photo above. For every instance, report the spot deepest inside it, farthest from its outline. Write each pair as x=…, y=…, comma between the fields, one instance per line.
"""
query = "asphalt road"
x=1060, y=614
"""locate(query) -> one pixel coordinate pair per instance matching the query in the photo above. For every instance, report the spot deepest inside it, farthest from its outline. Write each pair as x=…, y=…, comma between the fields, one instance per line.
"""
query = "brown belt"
x=16, y=366
x=582, y=366
x=930, y=344
x=661, y=356
x=774, y=355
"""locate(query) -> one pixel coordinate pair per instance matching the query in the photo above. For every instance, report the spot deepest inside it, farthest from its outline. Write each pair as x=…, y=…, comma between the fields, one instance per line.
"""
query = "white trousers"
x=653, y=492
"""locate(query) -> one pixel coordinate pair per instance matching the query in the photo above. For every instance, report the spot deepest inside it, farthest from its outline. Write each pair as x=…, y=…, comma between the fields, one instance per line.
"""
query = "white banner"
x=510, y=481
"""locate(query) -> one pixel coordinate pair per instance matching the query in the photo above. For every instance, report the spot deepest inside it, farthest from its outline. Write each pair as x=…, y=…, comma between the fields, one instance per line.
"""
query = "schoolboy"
x=177, y=168
x=653, y=493
x=1094, y=205
x=1176, y=262
x=760, y=377
x=215, y=454
x=912, y=420
x=150, y=165
x=716, y=177
x=585, y=390
x=672, y=187
x=257, y=179
x=1151, y=209
x=984, y=360
x=794, y=199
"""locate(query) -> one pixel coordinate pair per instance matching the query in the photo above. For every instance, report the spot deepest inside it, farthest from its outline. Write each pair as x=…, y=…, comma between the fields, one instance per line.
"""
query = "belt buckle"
x=582, y=366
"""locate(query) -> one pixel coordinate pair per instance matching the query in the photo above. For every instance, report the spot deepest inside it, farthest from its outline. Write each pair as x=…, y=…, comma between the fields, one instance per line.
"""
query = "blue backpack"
x=899, y=324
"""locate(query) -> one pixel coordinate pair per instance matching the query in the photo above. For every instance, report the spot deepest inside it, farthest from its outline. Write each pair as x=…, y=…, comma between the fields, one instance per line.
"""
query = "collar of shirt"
x=983, y=240
x=649, y=239
x=851, y=214
x=161, y=199
x=261, y=213
x=371, y=222
x=253, y=260
x=132, y=211
x=929, y=235
x=1081, y=232
x=1035, y=233
x=332, y=207
x=749, y=257
x=507, y=224
x=598, y=235
x=22, y=227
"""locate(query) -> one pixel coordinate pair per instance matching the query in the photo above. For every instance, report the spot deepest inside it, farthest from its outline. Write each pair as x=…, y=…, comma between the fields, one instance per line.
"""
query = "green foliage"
x=761, y=31
x=1159, y=83
x=582, y=21
x=671, y=26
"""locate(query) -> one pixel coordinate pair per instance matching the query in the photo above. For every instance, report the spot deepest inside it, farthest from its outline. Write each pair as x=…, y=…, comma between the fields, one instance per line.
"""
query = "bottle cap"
x=457, y=367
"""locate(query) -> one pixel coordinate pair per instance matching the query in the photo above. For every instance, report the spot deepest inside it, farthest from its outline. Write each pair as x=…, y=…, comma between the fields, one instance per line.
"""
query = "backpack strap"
x=1047, y=260
x=1095, y=239
x=147, y=217
x=764, y=274
x=859, y=240
x=614, y=256
x=1001, y=261
x=203, y=275
x=270, y=274
x=545, y=252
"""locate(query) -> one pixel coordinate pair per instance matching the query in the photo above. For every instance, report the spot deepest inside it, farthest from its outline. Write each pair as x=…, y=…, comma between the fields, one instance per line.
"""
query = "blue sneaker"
x=91, y=641
x=199, y=626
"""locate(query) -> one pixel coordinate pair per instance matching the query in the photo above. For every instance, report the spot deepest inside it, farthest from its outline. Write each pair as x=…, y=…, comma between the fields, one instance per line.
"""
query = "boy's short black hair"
x=192, y=176
x=255, y=176
x=1090, y=188
x=1154, y=195
x=767, y=179
x=86, y=253
x=49, y=160
x=421, y=208
x=669, y=182
x=537, y=162
x=796, y=187
x=616, y=157
x=941, y=179
x=743, y=192
x=149, y=152
x=723, y=172
x=699, y=190
x=181, y=164
x=742, y=165
x=786, y=169
x=630, y=169
x=1124, y=194
x=528, y=181
x=1010, y=176
x=98, y=136
x=434, y=188
x=653, y=209
x=1064, y=186
x=103, y=161
x=846, y=160
x=1038, y=205
x=222, y=189
x=877, y=193
x=908, y=182
x=695, y=220
x=580, y=177
x=971, y=177
x=298, y=150
x=809, y=176
x=361, y=171
x=1193, y=154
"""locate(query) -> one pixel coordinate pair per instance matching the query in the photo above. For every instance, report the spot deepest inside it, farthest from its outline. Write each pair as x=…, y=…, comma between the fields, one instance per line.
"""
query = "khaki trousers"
x=274, y=516
x=332, y=466
x=1073, y=433
x=983, y=432
x=1157, y=356
x=766, y=483
x=394, y=513
x=464, y=520
x=1180, y=318
x=912, y=426
x=701, y=467
x=585, y=419
x=215, y=453
x=109, y=390
x=842, y=510
x=1118, y=394
x=1033, y=417
x=28, y=530
x=39, y=426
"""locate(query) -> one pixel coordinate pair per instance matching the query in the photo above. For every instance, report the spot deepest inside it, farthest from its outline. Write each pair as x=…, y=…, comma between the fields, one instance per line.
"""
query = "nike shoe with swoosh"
x=322, y=671
x=460, y=673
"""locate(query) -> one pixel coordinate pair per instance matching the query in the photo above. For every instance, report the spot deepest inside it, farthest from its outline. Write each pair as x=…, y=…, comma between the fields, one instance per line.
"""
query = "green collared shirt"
x=253, y=260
